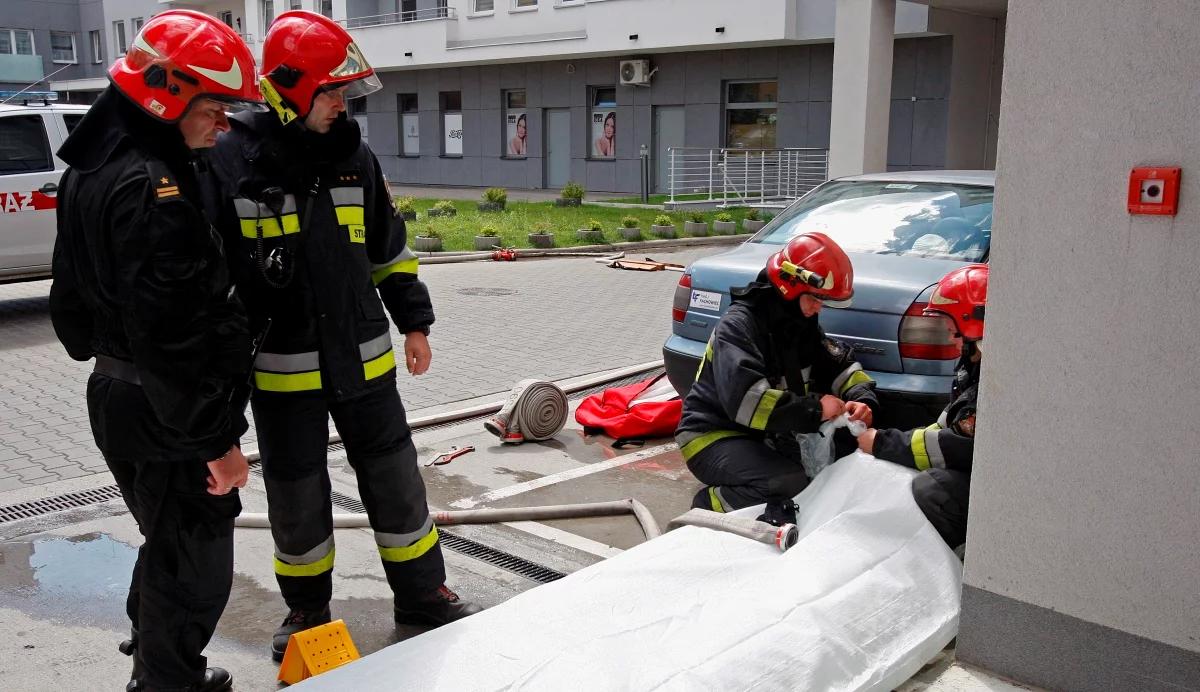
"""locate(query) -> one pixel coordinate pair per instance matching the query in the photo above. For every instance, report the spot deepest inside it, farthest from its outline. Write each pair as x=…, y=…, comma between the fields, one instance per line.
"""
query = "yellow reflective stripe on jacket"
x=765, y=406
x=311, y=569
x=349, y=216
x=287, y=381
x=694, y=446
x=409, y=552
x=270, y=226
x=707, y=358
x=919, y=451
x=715, y=500
x=856, y=378
x=404, y=263
x=379, y=365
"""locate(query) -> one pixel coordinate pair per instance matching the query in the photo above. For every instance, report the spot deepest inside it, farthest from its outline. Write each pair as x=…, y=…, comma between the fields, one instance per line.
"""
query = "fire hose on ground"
x=259, y=520
x=782, y=537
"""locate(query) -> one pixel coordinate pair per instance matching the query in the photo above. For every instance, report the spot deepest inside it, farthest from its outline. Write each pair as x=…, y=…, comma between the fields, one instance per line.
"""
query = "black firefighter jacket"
x=763, y=373
x=948, y=443
x=316, y=247
x=139, y=276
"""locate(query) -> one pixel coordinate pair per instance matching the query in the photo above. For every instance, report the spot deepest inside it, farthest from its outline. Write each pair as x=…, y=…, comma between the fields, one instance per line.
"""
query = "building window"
x=97, y=49
x=226, y=18
x=750, y=114
x=16, y=42
x=23, y=145
x=516, y=124
x=295, y=5
x=604, y=123
x=138, y=22
x=327, y=8
x=62, y=48
x=410, y=125
x=525, y=3
x=482, y=6
x=268, y=14
x=452, y=127
x=119, y=37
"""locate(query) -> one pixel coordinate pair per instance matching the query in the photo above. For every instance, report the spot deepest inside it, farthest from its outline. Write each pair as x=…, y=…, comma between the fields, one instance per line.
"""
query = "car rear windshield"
x=939, y=220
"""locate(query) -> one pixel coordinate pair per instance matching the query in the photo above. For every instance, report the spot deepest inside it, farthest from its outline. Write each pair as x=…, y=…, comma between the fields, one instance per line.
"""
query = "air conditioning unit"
x=636, y=72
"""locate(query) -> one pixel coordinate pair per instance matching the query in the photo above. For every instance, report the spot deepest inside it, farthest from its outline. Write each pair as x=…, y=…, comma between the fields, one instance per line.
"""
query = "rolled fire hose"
x=535, y=410
x=259, y=520
x=782, y=537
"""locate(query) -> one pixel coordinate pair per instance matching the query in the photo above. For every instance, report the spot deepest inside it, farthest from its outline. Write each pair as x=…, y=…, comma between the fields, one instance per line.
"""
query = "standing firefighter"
x=768, y=373
x=316, y=245
x=944, y=450
x=141, y=285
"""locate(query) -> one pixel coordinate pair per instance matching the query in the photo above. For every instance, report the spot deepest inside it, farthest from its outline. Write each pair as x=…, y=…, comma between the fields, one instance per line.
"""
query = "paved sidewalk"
x=496, y=323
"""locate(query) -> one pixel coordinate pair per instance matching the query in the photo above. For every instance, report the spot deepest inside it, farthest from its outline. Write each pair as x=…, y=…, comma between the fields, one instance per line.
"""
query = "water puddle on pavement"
x=80, y=580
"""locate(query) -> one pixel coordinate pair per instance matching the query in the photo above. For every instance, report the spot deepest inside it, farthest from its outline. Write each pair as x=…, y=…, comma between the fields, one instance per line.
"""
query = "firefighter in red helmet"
x=140, y=284
x=943, y=451
x=770, y=373
x=321, y=253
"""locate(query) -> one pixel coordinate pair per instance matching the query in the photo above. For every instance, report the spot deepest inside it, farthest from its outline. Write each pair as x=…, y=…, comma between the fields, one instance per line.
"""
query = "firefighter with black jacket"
x=943, y=450
x=769, y=373
x=315, y=245
x=141, y=285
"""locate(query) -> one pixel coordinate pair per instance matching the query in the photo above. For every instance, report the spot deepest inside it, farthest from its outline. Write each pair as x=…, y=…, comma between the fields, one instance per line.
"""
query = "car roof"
x=987, y=178
x=69, y=107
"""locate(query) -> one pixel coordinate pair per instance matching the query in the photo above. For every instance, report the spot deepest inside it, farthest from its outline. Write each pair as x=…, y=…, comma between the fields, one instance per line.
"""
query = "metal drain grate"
x=499, y=558
x=347, y=503
x=58, y=503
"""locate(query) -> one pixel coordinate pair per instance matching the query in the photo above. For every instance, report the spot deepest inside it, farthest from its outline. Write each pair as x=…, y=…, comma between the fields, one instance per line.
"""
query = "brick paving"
x=496, y=323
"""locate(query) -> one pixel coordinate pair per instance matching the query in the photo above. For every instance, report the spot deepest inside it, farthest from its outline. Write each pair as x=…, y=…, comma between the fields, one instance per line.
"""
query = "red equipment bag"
x=646, y=409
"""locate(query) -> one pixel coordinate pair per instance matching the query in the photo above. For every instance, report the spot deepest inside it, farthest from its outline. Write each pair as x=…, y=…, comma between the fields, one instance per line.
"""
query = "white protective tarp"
x=867, y=596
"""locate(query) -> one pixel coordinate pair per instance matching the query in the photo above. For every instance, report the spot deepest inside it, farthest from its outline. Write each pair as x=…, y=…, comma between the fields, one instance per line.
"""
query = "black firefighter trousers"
x=293, y=436
x=184, y=568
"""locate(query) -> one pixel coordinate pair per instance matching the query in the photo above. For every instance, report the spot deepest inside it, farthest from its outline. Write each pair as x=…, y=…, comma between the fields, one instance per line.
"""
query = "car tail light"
x=683, y=295
x=929, y=337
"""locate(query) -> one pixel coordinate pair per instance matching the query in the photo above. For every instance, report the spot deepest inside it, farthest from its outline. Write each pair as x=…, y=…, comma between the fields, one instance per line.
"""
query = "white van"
x=29, y=175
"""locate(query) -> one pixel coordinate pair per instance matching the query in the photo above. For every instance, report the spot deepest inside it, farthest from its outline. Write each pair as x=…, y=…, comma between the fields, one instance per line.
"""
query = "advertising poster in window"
x=412, y=134
x=454, y=134
x=604, y=134
x=516, y=133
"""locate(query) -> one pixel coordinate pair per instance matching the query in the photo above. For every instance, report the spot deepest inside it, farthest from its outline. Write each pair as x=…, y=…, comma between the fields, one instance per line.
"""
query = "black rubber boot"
x=129, y=648
x=296, y=621
x=435, y=608
x=215, y=680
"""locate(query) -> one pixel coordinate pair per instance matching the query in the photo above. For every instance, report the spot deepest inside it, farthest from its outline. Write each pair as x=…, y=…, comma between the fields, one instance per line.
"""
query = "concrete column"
x=974, y=87
x=862, y=86
x=339, y=10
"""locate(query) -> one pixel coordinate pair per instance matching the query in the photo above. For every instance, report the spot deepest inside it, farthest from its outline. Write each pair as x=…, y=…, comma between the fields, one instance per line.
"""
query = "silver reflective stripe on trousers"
x=749, y=405
x=402, y=540
x=323, y=548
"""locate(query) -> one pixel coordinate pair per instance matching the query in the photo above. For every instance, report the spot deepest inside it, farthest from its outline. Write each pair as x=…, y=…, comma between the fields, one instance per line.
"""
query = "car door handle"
x=48, y=188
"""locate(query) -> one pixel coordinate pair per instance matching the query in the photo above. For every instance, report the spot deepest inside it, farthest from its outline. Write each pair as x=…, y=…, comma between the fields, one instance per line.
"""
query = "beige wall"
x=1086, y=492
x=974, y=86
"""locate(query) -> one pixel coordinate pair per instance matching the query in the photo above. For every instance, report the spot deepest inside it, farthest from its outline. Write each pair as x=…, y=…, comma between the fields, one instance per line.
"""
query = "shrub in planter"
x=542, y=236
x=406, y=209
x=629, y=228
x=724, y=224
x=696, y=225
x=593, y=233
x=752, y=223
x=494, y=199
x=487, y=238
x=571, y=195
x=427, y=240
x=663, y=226
x=443, y=208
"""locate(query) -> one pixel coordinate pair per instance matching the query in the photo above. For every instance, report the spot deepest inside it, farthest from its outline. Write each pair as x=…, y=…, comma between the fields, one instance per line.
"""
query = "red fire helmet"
x=961, y=295
x=305, y=53
x=180, y=56
x=812, y=263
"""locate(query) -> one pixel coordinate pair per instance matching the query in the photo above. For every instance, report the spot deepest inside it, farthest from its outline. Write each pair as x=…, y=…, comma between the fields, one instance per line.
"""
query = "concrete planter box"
x=487, y=242
x=751, y=226
x=663, y=231
x=423, y=244
x=590, y=236
x=567, y=202
x=724, y=227
x=630, y=233
x=490, y=206
x=433, y=213
x=695, y=229
x=408, y=215
x=542, y=240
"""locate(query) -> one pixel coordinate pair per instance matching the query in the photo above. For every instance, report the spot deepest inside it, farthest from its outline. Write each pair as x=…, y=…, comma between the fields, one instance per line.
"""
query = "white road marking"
x=570, y=474
x=566, y=538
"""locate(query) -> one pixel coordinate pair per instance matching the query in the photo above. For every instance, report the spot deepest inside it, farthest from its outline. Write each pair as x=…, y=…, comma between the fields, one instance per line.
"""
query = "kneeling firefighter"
x=769, y=373
x=943, y=451
x=317, y=248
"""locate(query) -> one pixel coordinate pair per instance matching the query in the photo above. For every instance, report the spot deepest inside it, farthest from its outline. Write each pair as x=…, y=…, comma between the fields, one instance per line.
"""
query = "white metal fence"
x=732, y=177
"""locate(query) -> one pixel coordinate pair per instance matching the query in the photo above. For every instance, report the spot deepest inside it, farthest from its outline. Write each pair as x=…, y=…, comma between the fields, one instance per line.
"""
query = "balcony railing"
x=427, y=14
